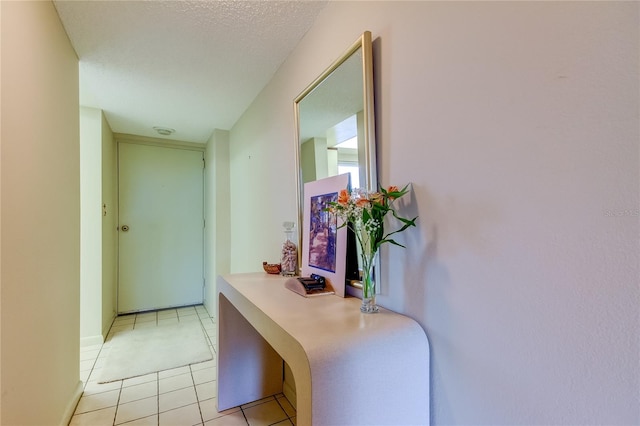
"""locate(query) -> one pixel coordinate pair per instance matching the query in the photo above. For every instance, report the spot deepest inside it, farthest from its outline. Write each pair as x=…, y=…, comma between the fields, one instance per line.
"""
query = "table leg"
x=248, y=367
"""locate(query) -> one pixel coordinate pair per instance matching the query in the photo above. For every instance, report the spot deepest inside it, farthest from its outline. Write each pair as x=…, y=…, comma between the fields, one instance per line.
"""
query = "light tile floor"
x=184, y=396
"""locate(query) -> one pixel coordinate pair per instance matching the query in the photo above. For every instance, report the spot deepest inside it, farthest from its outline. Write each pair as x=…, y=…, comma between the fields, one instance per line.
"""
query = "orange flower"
x=391, y=189
x=343, y=197
x=376, y=197
x=362, y=202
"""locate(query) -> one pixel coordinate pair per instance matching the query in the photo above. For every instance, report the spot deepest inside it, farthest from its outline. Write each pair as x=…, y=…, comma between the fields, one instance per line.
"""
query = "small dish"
x=271, y=268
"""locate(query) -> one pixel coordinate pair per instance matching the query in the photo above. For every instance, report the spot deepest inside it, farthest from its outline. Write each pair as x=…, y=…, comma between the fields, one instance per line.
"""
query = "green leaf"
x=387, y=240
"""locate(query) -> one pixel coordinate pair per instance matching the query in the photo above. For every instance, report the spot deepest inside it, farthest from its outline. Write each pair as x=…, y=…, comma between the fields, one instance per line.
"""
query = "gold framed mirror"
x=336, y=127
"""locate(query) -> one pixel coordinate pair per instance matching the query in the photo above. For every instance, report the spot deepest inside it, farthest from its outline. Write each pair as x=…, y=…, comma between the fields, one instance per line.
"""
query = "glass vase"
x=368, y=288
x=289, y=256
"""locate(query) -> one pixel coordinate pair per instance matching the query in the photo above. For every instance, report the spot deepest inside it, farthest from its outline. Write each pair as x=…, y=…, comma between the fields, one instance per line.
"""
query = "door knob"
x=125, y=228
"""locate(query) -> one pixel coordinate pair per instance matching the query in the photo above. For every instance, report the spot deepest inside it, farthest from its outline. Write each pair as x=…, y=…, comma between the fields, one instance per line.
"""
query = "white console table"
x=349, y=368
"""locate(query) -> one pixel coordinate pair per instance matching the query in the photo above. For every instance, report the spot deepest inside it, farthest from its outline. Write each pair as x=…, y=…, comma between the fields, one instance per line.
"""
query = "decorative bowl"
x=271, y=268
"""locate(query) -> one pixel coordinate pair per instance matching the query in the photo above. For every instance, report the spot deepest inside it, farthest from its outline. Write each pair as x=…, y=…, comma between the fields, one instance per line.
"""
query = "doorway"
x=161, y=232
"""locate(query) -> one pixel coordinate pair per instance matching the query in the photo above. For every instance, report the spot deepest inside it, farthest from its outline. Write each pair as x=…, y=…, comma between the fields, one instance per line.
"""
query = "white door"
x=161, y=227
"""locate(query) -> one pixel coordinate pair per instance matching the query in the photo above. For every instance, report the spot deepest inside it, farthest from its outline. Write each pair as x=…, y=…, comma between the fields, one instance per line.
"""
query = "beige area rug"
x=147, y=350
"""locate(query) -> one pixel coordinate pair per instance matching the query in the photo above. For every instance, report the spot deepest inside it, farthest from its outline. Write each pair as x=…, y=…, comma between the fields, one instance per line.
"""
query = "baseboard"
x=106, y=327
x=91, y=340
x=289, y=393
x=288, y=384
x=73, y=403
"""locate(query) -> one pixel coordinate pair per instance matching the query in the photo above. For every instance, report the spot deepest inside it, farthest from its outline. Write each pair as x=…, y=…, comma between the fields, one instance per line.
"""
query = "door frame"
x=121, y=138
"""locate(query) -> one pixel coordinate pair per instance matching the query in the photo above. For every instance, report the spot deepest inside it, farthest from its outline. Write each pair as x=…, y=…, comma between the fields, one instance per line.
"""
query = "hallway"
x=182, y=396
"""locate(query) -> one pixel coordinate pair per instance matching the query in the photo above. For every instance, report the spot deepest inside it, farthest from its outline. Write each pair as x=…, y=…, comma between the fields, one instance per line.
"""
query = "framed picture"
x=324, y=246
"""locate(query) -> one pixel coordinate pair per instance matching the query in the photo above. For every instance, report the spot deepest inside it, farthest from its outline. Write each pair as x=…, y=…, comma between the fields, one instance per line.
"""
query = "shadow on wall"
x=426, y=286
x=425, y=277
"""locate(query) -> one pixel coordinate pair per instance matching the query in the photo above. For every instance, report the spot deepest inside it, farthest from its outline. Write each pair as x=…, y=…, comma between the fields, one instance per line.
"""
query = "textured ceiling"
x=188, y=65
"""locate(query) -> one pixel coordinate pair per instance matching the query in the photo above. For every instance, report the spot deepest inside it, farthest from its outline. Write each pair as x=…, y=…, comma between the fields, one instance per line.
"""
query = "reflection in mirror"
x=335, y=124
x=329, y=118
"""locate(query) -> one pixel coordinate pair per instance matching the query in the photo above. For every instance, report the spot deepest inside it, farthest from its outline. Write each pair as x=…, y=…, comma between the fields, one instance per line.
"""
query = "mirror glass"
x=335, y=123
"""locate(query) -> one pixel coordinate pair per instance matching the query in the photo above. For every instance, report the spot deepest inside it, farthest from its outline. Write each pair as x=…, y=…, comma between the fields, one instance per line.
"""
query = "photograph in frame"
x=324, y=248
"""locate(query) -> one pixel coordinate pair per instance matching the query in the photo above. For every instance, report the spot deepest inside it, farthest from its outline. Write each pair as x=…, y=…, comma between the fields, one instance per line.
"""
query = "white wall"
x=40, y=217
x=109, y=225
x=98, y=235
x=90, y=226
x=517, y=123
x=262, y=176
x=217, y=215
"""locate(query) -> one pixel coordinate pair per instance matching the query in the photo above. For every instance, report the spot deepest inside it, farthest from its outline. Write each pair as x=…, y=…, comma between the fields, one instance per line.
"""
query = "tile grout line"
x=282, y=408
x=115, y=413
x=158, y=398
x=202, y=316
x=204, y=330
x=195, y=390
